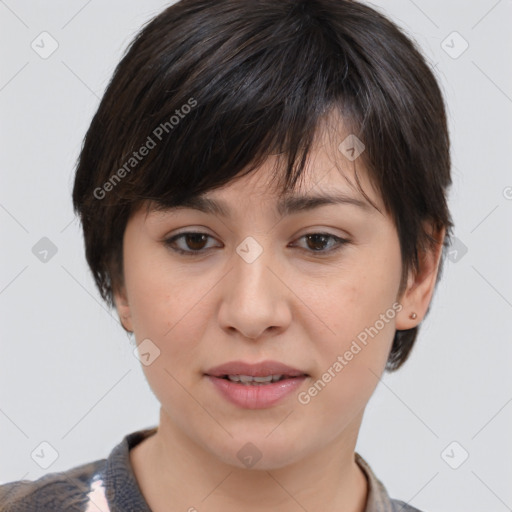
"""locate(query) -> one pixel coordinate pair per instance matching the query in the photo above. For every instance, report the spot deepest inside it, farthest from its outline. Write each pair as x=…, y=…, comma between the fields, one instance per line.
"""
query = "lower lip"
x=255, y=396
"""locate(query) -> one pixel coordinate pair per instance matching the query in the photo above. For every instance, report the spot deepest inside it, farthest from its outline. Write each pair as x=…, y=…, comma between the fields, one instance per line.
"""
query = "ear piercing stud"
x=413, y=315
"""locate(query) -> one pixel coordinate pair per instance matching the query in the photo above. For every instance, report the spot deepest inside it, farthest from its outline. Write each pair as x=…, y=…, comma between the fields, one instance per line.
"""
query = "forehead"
x=329, y=177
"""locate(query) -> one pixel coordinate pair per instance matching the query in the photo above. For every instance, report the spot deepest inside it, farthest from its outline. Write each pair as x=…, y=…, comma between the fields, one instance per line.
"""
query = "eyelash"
x=170, y=241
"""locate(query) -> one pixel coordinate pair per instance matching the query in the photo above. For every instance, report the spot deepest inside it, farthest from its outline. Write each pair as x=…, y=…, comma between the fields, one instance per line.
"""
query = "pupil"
x=323, y=238
x=195, y=237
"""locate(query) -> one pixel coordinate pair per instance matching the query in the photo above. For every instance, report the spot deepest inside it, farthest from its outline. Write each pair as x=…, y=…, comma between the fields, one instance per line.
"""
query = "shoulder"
x=57, y=491
x=400, y=506
x=104, y=484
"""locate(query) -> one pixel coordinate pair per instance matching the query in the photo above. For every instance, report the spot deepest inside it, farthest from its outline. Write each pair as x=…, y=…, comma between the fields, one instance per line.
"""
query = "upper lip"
x=260, y=369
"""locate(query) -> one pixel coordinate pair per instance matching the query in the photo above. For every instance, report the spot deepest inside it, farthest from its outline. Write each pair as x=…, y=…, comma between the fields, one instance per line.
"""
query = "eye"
x=194, y=243
x=319, y=243
x=192, y=240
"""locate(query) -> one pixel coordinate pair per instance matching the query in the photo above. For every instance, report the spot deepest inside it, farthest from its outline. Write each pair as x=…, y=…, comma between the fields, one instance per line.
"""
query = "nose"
x=255, y=300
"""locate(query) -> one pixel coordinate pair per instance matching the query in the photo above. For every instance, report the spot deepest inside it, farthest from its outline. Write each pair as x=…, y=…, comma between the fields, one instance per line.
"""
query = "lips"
x=262, y=369
x=255, y=386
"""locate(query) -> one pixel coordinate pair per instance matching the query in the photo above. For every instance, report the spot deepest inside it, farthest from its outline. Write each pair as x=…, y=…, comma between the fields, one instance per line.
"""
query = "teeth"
x=263, y=379
x=247, y=379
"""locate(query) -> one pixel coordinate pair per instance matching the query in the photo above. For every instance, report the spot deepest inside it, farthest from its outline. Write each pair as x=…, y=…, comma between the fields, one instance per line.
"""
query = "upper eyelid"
x=313, y=231
x=340, y=240
x=204, y=230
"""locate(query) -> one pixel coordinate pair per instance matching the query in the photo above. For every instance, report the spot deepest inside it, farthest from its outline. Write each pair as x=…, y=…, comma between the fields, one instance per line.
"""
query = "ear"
x=123, y=309
x=421, y=284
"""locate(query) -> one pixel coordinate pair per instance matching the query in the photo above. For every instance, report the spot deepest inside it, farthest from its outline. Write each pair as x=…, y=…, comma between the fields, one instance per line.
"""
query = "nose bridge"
x=251, y=273
x=253, y=301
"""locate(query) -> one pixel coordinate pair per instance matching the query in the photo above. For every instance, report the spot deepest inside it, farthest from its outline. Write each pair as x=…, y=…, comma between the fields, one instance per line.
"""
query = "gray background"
x=68, y=376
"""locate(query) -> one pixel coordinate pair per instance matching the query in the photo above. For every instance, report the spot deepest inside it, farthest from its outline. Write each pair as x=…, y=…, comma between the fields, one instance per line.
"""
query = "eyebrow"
x=288, y=205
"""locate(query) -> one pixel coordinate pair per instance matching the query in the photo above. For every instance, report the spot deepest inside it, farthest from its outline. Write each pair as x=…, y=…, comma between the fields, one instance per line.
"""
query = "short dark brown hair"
x=212, y=87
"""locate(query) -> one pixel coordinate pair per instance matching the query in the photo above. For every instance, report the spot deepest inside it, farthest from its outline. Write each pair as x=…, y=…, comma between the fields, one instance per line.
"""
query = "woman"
x=263, y=197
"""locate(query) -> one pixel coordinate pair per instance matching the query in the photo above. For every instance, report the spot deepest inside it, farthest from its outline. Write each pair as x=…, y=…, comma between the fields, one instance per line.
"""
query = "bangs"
x=257, y=91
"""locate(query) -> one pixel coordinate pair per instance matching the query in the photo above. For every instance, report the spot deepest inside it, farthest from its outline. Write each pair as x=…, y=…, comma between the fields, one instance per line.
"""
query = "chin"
x=259, y=452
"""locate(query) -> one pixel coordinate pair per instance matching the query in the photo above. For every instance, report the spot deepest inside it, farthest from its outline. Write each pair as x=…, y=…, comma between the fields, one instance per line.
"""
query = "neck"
x=172, y=469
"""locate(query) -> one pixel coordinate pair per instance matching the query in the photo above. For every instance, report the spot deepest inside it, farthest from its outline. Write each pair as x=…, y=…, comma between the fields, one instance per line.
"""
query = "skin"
x=288, y=305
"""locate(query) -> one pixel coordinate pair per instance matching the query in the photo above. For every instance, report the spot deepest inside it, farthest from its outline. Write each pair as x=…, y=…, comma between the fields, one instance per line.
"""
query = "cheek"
x=353, y=301
x=160, y=295
x=169, y=306
x=166, y=309
x=358, y=312
x=350, y=365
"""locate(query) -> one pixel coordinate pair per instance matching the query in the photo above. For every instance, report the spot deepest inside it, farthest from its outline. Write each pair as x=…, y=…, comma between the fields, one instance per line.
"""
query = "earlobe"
x=123, y=310
x=421, y=284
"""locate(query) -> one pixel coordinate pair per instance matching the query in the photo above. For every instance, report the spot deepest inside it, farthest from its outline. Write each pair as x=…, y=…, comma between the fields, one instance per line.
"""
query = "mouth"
x=264, y=372
x=255, y=386
x=248, y=380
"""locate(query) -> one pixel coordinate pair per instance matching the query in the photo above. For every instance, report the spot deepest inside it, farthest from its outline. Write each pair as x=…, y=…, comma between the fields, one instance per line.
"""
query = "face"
x=314, y=289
